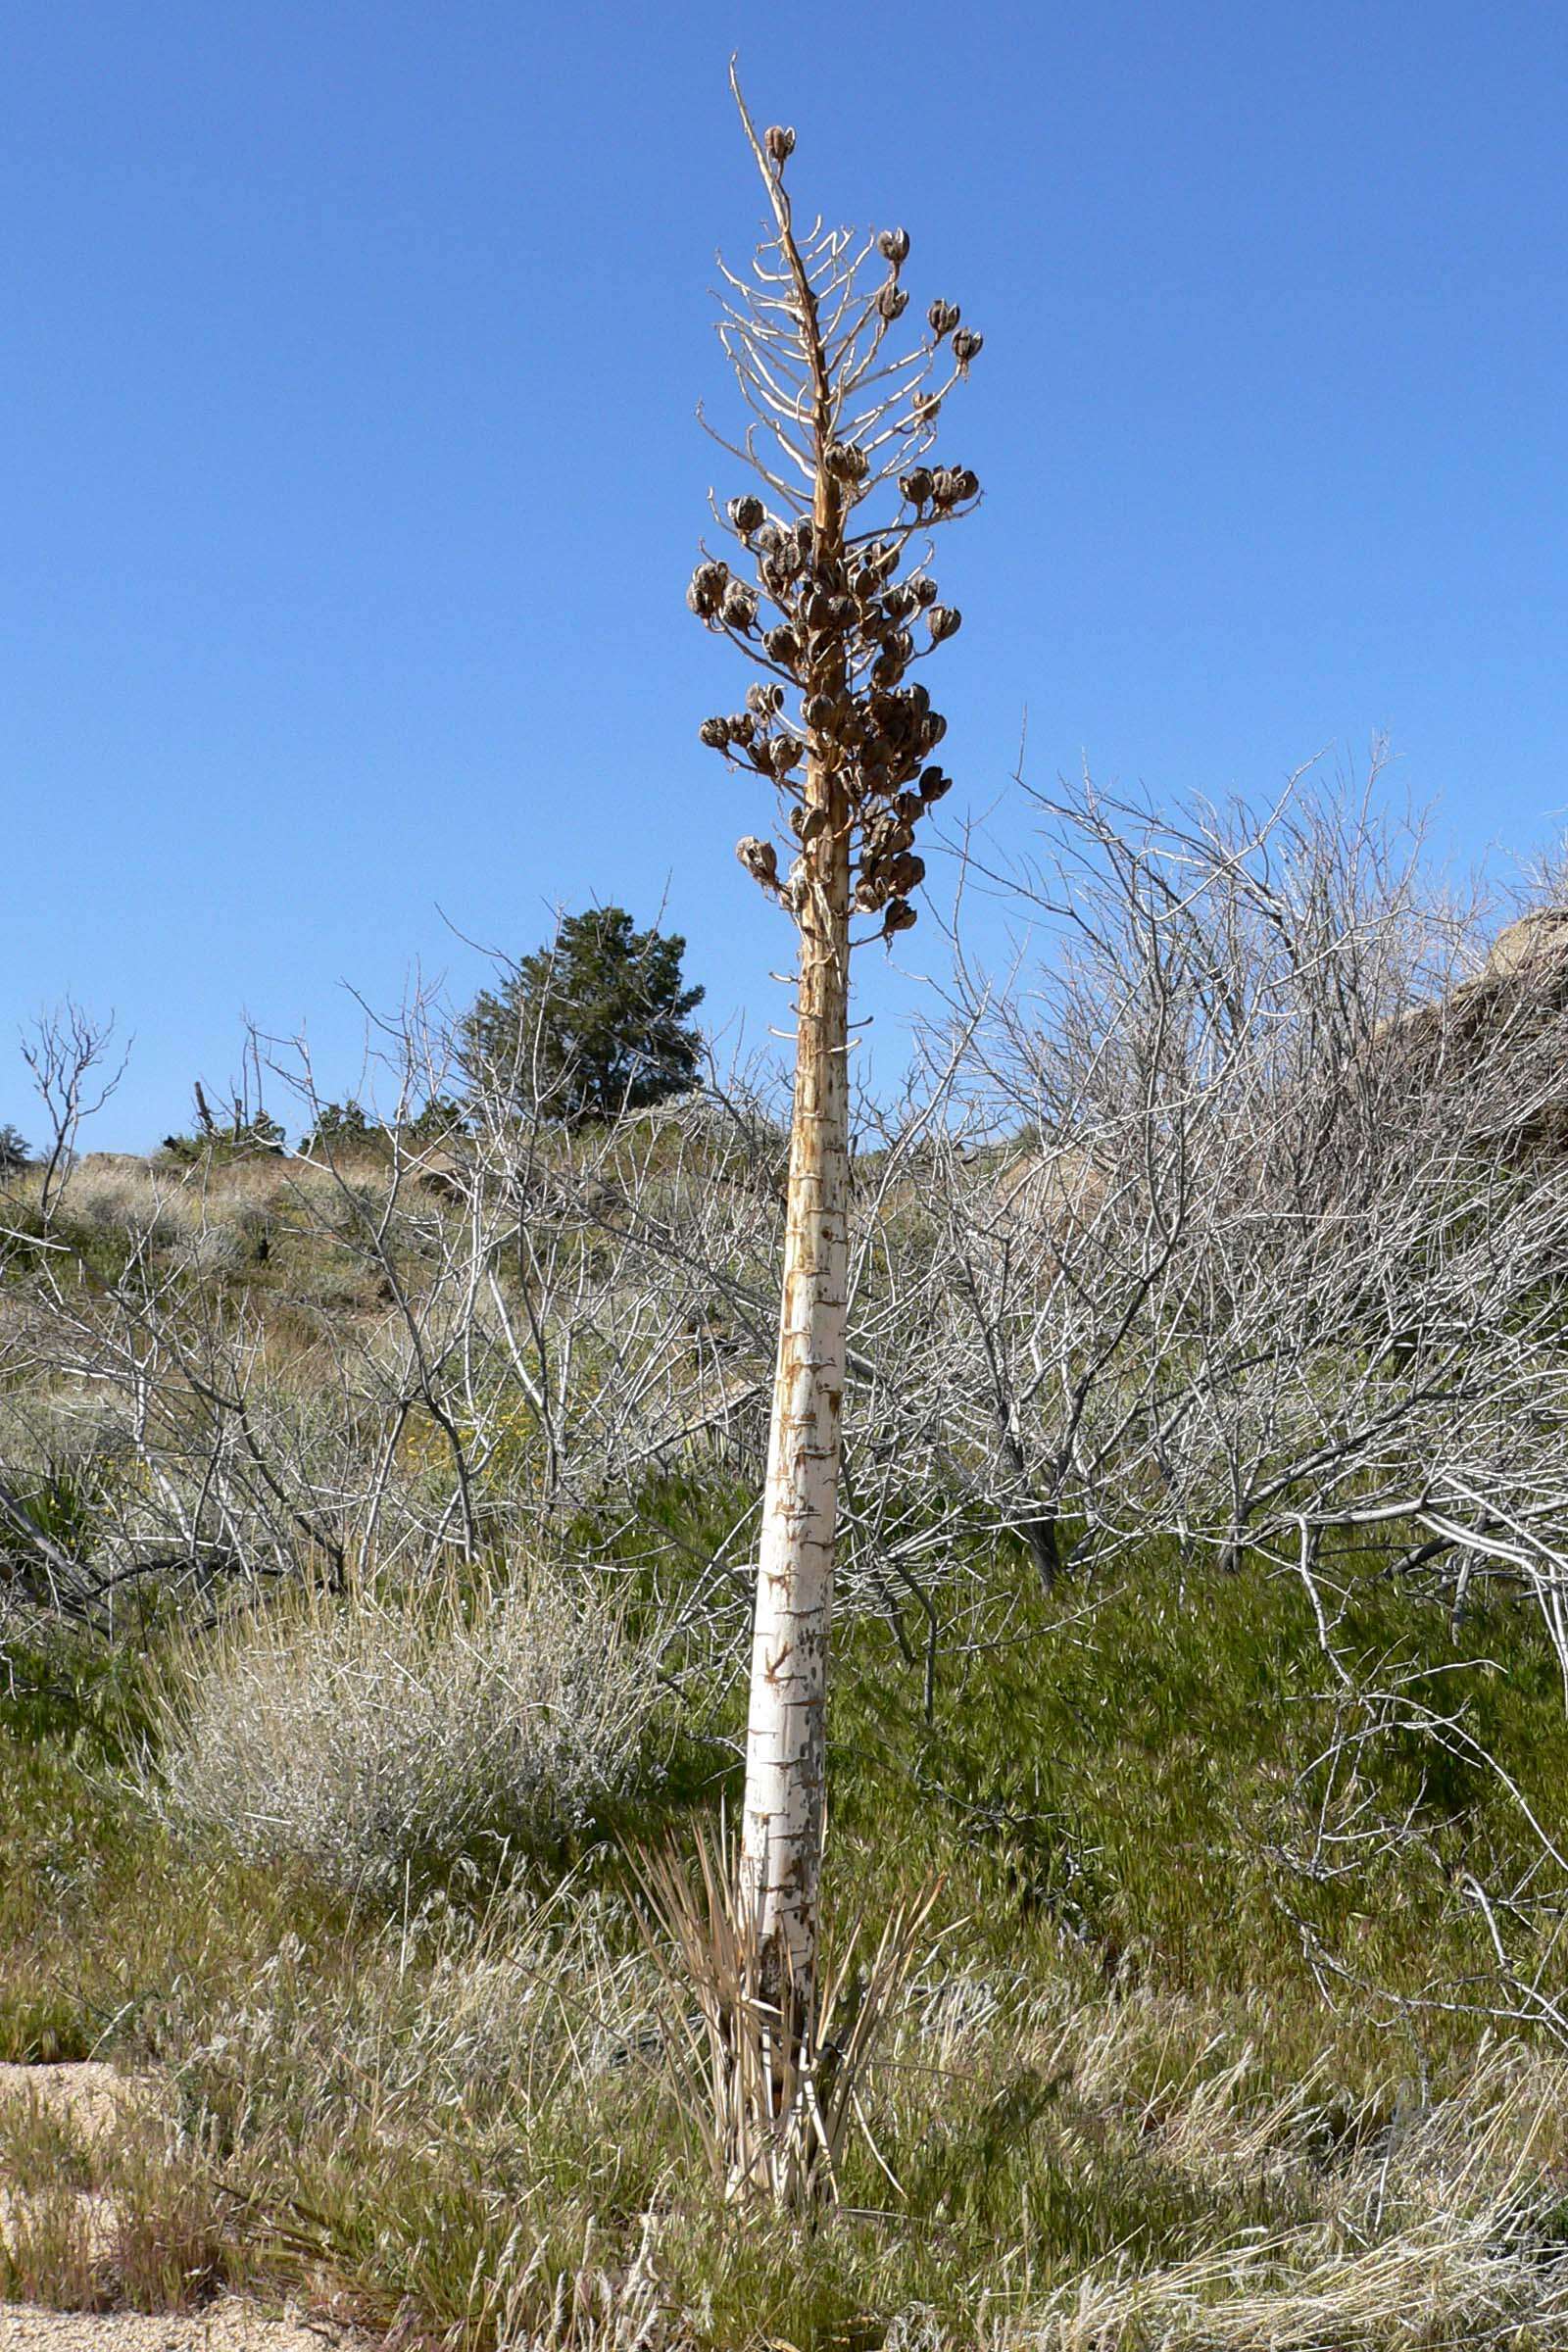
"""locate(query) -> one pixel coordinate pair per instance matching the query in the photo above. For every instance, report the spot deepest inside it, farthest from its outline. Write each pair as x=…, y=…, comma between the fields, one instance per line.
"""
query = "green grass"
x=1127, y=1781
x=1150, y=2025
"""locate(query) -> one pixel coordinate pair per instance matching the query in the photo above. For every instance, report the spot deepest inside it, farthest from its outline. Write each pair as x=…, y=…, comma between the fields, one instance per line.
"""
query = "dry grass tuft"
x=1455, y=2283
x=104, y=2204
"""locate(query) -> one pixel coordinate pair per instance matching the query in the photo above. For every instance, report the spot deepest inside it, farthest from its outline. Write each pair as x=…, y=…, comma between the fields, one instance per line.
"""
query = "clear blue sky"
x=350, y=482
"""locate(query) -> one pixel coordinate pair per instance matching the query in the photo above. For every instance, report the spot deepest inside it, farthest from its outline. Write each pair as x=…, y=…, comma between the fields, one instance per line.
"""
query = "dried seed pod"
x=779, y=140
x=901, y=601
x=894, y=246
x=746, y=515
x=886, y=671
x=870, y=893
x=916, y=485
x=944, y=622
x=900, y=916
x=819, y=712
x=783, y=646
x=893, y=726
x=932, y=729
x=783, y=754
x=966, y=345
x=933, y=784
x=845, y=462
x=927, y=407
x=764, y=697
x=941, y=317
x=739, y=607
x=761, y=861
x=905, y=873
x=886, y=833
x=742, y=727
x=891, y=302
x=968, y=482
x=714, y=732
x=768, y=539
x=805, y=537
x=907, y=807
x=926, y=590
x=705, y=592
x=820, y=610
x=945, y=488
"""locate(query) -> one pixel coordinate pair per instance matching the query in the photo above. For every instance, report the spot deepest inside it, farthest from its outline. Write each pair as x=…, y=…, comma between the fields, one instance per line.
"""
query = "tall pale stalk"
x=836, y=730
x=786, y=1730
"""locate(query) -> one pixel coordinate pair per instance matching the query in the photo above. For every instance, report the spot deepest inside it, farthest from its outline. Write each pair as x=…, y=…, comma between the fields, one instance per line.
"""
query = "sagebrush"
x=386, y=1740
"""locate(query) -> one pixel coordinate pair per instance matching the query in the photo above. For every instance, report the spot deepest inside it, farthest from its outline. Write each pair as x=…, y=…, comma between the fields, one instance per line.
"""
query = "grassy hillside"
x=375, y=1550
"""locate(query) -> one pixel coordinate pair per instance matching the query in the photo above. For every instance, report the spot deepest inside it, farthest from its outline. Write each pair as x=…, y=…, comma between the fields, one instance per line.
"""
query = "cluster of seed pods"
x=838, y=628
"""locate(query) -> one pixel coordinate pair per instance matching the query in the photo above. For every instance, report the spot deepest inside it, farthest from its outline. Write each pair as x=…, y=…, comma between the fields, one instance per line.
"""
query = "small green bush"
x=261, y=1136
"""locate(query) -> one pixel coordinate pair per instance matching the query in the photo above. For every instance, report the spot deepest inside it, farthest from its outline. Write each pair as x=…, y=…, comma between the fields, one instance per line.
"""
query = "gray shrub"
x=382, y=1742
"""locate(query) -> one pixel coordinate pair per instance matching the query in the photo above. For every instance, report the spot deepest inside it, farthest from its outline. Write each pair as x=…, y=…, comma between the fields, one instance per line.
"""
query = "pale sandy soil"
x=92, y=2094
x=228, y=2327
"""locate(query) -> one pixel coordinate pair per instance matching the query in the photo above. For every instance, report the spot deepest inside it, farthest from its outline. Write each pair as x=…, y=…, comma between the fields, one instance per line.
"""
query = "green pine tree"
x=590, y=1027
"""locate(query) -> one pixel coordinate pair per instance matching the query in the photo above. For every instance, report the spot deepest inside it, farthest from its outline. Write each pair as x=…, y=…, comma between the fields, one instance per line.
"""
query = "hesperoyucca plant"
x=775, y=2096
x=829, y=592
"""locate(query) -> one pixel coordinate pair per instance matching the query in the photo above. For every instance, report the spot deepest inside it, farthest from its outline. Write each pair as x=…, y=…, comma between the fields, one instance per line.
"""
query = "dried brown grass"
x=772, y=2093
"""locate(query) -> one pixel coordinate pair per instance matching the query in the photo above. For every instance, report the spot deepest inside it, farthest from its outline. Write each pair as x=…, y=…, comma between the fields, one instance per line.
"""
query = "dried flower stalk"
x=830, y=599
